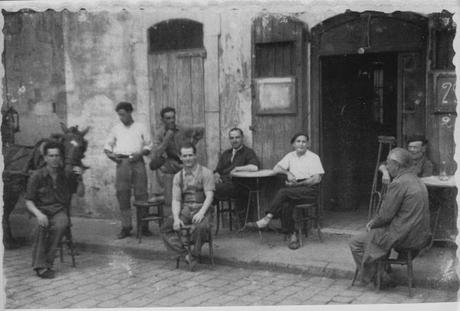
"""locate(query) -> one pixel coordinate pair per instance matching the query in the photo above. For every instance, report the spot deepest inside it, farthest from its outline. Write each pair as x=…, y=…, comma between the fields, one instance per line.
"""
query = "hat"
x=417, y=137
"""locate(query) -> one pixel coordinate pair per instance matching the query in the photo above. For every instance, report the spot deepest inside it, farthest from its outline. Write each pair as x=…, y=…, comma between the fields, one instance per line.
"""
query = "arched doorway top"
x=370, y=31
x=175, y=34
x=272, y=27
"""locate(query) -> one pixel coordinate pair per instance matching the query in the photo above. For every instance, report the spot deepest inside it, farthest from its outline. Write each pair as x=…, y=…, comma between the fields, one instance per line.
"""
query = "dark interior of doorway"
x=358, y=103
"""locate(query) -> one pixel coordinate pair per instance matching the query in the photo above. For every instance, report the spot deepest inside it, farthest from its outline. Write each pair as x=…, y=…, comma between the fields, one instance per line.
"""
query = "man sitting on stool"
x=192, y=195
x=303, y=170
x=236, y=159
x=402, y=222
x=48, y=198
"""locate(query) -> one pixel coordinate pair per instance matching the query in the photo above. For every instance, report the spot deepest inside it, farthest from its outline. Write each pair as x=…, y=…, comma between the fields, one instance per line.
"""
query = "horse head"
x=75, y=145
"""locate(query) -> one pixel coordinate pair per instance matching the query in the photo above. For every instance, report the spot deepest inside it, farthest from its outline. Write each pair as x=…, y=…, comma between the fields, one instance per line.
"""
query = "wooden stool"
x=185, y=232
x=144, y=206
x=385, y=264
x=307, y=212
x=220, y=209
x=67, y=239
x=406, y=260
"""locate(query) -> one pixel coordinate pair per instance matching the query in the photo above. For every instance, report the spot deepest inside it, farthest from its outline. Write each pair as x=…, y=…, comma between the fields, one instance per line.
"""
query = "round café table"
x=254, y=192
x=434, y=182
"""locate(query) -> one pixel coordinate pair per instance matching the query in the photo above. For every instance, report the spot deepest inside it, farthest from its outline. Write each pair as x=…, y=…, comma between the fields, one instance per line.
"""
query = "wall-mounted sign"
x=275, y=95
x=444, y=91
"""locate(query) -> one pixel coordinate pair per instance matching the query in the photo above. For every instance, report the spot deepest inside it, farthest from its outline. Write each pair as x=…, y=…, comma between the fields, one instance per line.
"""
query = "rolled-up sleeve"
x=284, y=163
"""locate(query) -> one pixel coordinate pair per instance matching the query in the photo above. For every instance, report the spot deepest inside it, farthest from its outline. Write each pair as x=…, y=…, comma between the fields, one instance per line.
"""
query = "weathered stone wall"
x=101, y=70
x=87, y=61
x=34, y=81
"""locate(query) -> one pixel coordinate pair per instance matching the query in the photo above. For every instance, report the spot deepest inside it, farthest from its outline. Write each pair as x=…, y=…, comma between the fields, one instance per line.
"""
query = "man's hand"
x=77, y=170
x=369, y=226
x=113, y=157
x=385, y=175
x=198, y=217
x=178, y=223
x=385, y=178
x=217, y=178
x=134, y=157
x=290, y=177
x=291, y=183
x=42, y=219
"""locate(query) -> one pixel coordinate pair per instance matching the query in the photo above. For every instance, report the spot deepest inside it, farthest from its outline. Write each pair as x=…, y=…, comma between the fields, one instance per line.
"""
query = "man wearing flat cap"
x=421, y=165
x=126, y=145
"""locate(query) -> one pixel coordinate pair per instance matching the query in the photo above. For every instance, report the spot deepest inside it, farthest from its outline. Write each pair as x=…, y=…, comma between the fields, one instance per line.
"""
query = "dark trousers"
x=199, y=233
x=130, y=176
x=229, y=189
x=285, y=200
x=47, y=240
x=365, y=254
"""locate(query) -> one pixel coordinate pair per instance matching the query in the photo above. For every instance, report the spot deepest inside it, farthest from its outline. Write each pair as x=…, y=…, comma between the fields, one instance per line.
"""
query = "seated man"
x=403, y=221
x=303, y=170
x=48, y=198
x=421, y=165
x=236, y=159
x=192, y=195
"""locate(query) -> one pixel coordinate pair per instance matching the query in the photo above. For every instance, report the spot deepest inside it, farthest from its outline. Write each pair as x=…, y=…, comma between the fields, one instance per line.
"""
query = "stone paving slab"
x=331, y=258
x=156, y=283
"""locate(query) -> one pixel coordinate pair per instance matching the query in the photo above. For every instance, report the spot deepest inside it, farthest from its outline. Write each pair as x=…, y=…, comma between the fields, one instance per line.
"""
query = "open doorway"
x=359, y=102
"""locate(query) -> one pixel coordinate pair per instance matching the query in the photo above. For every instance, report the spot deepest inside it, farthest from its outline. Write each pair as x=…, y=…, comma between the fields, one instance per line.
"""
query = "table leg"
x=258, y=210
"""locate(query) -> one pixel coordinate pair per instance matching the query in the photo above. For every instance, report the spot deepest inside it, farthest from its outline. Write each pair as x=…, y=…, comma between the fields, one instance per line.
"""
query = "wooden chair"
x=308, y=212
x=221, y=209
x=185, y=232
x=144, y=208
x=405, y=257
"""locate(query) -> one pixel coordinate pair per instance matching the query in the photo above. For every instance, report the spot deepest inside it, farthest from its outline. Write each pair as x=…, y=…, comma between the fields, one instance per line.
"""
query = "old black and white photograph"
x=229, y=153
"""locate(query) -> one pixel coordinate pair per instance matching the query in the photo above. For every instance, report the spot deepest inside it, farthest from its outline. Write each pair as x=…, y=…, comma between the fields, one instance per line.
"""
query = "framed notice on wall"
x=445, y=99
x=275, y=96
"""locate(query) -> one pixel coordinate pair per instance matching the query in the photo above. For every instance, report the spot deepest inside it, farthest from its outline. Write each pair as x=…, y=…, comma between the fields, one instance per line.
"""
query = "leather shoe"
x=124, y=233
x=45, y=273
x=294, y=242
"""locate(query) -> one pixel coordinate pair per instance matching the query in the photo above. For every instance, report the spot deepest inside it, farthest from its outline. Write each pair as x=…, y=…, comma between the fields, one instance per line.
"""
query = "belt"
x=122, y=156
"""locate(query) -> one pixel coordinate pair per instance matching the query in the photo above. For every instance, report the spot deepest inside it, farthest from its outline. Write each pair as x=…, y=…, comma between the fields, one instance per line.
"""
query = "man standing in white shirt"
x=126, y=145
x=303, y=170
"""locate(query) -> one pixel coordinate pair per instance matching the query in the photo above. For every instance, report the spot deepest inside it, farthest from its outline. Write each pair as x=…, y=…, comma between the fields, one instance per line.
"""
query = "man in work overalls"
x=192, y=195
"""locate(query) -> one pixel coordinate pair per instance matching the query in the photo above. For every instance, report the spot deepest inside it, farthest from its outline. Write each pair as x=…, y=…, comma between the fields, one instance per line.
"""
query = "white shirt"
x=302, y=167
x=127, y=140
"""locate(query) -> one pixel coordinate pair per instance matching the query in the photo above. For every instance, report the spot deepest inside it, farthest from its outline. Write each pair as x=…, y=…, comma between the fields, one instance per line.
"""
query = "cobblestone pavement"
x=119, y=280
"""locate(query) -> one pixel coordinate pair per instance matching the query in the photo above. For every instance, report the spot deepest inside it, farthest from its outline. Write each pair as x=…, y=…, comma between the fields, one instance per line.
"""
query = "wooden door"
x=411, y=95
x=178, y=82
x=279, y=62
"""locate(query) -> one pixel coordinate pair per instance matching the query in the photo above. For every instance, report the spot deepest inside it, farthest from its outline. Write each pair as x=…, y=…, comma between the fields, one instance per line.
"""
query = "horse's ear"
x=85, y=131
x=64, y=127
